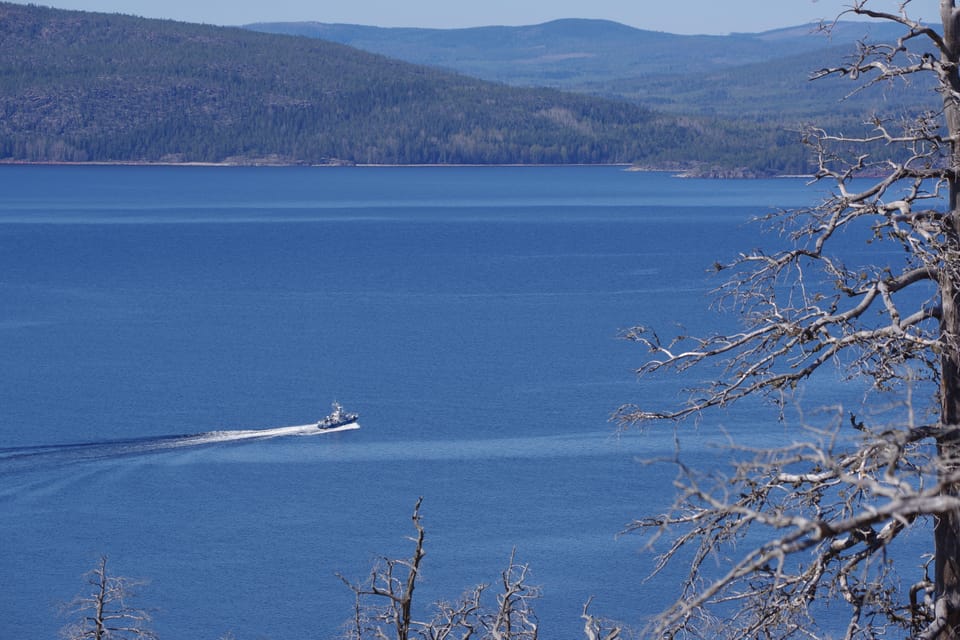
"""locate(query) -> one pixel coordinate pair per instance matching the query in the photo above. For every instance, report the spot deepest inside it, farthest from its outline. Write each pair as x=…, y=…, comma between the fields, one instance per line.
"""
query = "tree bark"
x=947, y=527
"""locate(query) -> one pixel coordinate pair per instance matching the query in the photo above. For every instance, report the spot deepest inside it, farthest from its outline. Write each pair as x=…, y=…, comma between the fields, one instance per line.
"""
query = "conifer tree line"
x=87, y=87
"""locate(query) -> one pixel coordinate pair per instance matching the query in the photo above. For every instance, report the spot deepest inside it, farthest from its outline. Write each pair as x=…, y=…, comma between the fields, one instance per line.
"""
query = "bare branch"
x=102, y=612
x=822, y=517
x=383, y=606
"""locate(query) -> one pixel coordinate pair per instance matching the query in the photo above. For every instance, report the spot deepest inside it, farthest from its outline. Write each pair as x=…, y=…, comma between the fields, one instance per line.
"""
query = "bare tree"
x=597, y=629
x=393, y=590
x=104, y=612
x=383, y=606
x=513, y=618
x=826, y=517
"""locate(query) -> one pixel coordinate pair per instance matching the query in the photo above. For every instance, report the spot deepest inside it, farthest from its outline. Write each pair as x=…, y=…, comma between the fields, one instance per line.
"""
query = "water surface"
x=470, y=315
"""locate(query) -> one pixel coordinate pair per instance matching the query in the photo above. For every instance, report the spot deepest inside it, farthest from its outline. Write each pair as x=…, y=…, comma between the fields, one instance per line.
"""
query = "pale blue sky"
x=675, y=16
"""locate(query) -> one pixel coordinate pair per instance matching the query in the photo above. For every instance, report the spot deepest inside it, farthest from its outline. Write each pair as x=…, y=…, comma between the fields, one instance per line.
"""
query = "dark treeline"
x=87, y=87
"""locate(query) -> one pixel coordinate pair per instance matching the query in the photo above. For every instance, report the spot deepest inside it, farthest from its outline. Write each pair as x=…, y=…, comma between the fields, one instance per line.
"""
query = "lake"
x=153, y=315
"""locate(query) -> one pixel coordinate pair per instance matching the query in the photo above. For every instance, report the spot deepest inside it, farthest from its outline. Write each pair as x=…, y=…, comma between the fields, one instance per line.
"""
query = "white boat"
x=337, y=418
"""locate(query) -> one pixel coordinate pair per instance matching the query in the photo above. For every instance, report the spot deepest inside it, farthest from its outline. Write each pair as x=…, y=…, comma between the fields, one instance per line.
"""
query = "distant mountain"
x=563, y=51
x=78, y=86
x=91, y=87
x=738, y=74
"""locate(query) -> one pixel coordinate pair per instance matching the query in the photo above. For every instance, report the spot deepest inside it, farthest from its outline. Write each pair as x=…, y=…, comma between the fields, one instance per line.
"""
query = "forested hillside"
x=756, y=75
x=83, y=87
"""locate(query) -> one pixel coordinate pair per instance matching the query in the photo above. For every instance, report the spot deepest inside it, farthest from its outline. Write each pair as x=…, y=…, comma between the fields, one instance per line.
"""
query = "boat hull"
x=337, y=418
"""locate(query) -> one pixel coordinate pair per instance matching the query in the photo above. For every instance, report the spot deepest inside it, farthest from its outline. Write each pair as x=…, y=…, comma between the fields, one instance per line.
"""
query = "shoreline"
x=677, y=172
x=144, y=163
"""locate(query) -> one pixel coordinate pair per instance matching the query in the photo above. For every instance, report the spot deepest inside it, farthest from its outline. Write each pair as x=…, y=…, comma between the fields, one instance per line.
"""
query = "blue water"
x=470, y=315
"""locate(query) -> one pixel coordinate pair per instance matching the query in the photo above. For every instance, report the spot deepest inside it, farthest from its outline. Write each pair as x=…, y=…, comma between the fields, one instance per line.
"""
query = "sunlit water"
x=160, y=325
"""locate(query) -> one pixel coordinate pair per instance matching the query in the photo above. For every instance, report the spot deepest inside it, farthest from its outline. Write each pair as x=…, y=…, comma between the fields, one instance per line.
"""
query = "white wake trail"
x=16, y=459
x=212, y=437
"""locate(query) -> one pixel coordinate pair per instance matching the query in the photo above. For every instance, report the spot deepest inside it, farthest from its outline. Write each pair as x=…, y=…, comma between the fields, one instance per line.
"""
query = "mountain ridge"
x=609, y=59
x=110, y=88
x=92, y=87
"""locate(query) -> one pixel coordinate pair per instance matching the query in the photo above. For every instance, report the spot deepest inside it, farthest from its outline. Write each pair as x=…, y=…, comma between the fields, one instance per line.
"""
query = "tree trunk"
x=99, y=629
x=947, y=527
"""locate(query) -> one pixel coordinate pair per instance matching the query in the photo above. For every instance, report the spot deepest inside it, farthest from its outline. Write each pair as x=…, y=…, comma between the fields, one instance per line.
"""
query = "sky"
x=676, y=16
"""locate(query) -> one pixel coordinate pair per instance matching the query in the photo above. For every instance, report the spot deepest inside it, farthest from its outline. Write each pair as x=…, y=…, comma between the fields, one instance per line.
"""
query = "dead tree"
x=596, y=629
x=103, y=611
x=392, y=592
x=513, y=618
x=384, y=607
x=831, y=512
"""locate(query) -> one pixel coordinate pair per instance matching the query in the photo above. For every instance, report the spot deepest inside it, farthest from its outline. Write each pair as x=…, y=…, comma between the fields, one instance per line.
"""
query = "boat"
x=337, y=418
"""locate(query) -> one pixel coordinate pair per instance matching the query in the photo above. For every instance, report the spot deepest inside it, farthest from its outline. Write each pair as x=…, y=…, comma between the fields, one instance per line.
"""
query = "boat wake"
x=213, y=437
x=13, y=459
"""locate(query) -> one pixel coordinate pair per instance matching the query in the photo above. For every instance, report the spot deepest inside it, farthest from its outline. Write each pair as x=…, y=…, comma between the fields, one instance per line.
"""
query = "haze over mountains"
x=739, y=74
x=89, y=87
